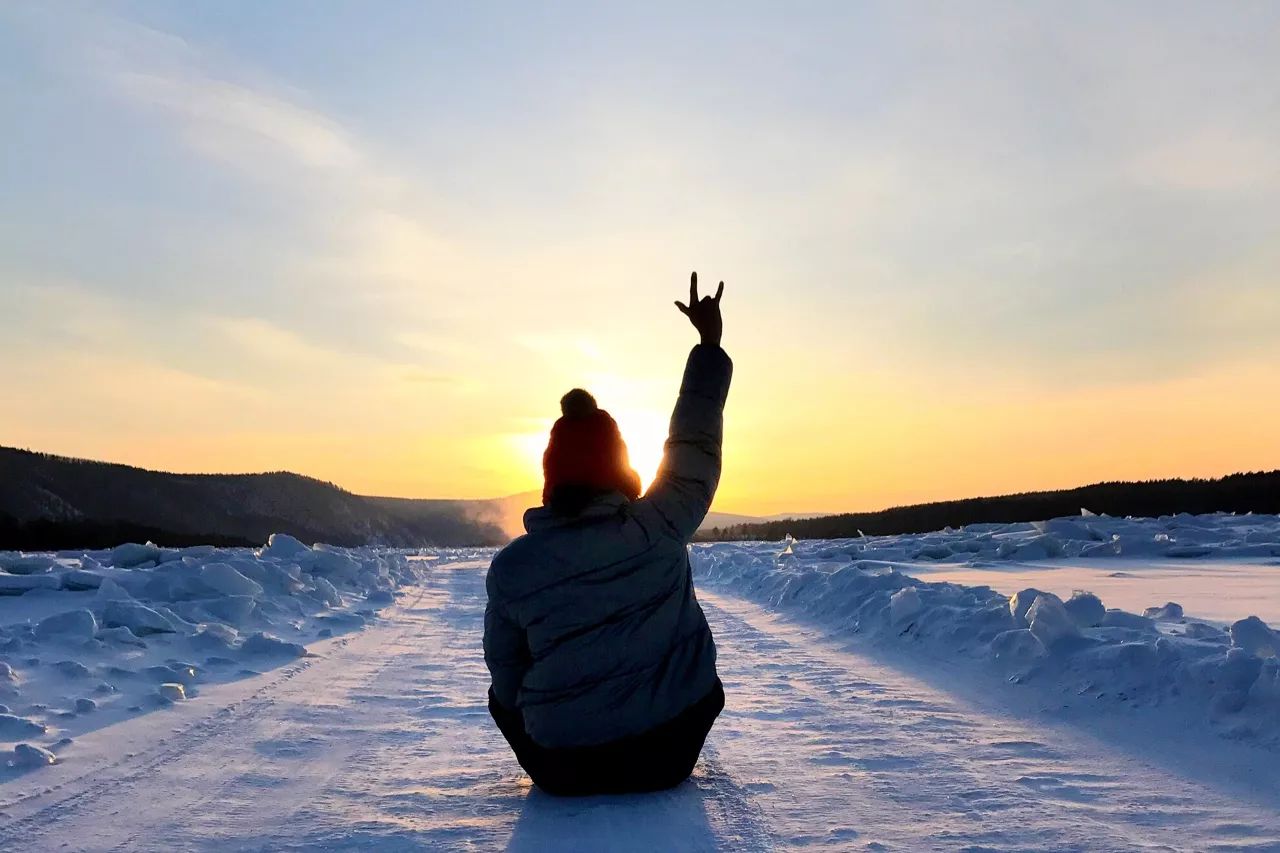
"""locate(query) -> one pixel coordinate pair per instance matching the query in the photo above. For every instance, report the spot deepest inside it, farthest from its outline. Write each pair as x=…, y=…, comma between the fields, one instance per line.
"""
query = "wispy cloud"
x=250, y=129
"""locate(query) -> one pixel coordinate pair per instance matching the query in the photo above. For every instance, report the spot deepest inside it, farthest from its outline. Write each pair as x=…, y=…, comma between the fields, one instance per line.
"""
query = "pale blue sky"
x=309, y=228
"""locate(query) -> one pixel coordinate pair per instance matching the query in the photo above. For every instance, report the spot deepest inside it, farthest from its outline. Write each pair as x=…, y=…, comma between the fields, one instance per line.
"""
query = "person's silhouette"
x=603, y=666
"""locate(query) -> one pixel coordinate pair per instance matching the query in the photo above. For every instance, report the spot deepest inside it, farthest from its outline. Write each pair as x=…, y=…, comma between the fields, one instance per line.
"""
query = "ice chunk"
x=1267, y=686
x=132, y=554
x=120, y=635
x=18, y=584
x=1239, y=670
x=328, y=593
x=111, y=590
x=904, y=605
x=6, y=672
x=138, y=618
x=1202, y=631
x=71, y=625
x=225, y=579
x=1021, y=602
x=1101, y=549
x=13, y=727
x=266, y=644
x=27, y=564
x=282, y=546
x=1169, y=612
x=1018, y=646
x=179, y=672
x=233, y=609
x=85, y=705
x=28, y=756
x=1070, y=529
x=172, y=691
x=179, y=624
x=81, y=579
x=72, y=669
x=1050, y=622
x=1086, y=609
x=282, y=578
x=332, y=564
x=215, y=635
x=1235, y=676
x=254, y=570
x=1255, y=637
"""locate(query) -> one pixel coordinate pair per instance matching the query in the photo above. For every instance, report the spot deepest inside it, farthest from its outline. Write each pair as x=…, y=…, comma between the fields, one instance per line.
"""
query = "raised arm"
x=686, y=482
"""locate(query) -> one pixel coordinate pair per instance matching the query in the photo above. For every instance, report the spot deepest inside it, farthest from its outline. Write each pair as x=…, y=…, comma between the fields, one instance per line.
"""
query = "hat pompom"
x=578, y=404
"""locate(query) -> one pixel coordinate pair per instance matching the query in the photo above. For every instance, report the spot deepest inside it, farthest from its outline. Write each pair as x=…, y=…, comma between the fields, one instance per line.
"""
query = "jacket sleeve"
x=681, y=493
x=506, y=649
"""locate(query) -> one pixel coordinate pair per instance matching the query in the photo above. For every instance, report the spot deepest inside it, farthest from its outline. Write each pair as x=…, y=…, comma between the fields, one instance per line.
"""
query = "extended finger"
x=683, y=309
x=719, y=291
x=693, y=288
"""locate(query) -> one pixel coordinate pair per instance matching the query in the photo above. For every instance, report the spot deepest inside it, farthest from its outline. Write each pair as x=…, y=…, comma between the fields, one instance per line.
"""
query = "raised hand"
x=704, y=313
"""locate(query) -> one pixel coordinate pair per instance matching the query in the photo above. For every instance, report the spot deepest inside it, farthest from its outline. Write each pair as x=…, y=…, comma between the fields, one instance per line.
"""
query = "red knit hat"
x=586, y=450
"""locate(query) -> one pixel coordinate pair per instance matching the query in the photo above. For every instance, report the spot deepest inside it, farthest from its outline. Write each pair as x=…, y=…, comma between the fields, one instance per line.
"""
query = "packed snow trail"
x=383, y=741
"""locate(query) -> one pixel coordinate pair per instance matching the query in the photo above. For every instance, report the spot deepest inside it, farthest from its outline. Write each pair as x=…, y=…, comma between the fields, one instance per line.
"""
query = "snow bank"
x=1078, y=646
x=105, y=634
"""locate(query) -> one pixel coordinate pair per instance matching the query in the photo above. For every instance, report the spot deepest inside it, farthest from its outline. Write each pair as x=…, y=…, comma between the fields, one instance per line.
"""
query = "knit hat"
x=586, y=451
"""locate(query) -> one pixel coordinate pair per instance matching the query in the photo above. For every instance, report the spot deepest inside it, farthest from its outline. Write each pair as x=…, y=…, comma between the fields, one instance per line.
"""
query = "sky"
x=968, y=248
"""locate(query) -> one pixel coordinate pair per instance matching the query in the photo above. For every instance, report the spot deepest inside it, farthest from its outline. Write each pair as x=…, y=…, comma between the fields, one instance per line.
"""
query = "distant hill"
x=51, y=502
x=1250, y=492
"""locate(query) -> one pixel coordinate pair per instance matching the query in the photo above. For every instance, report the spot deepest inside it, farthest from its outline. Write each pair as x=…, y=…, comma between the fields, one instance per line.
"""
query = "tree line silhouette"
x=1255, y=491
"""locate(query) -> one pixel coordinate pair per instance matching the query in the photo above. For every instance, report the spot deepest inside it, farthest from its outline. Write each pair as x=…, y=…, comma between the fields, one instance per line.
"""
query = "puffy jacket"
x=592, y=630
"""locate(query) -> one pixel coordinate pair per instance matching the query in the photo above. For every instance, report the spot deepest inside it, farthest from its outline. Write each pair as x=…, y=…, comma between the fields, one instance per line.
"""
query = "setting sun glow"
x=645, y=432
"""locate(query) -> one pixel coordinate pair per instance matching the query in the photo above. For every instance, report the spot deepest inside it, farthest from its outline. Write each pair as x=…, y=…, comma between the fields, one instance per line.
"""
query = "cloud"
x=249, y=129
x=224, y=110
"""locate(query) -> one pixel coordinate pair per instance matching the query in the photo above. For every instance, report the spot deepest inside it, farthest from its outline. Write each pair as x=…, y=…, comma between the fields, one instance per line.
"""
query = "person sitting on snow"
x=603, y=665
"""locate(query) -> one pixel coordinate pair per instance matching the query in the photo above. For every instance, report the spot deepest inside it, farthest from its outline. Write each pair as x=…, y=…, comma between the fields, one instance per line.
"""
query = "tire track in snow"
x=279, y=780
x=846, y=748
x=102, y=785
x=108, y=778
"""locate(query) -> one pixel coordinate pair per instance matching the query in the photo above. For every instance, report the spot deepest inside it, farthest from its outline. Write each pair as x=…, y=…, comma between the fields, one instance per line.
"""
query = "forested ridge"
x=1246, y=492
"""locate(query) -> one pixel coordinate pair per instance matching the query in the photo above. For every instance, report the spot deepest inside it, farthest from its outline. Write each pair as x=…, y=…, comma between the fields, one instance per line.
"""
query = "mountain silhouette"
x=51, y=502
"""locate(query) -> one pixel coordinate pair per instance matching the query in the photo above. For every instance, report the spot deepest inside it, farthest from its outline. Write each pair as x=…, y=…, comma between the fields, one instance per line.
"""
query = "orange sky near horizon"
x=891, y=447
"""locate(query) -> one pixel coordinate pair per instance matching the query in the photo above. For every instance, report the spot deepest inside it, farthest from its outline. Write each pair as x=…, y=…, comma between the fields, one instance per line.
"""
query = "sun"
x=645, y=434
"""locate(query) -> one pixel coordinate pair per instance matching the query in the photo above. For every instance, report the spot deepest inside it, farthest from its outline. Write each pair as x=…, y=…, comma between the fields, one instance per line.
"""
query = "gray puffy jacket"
x=592, y=631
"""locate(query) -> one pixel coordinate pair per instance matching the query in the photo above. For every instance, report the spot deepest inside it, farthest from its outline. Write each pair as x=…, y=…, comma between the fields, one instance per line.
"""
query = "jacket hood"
x=542, y=518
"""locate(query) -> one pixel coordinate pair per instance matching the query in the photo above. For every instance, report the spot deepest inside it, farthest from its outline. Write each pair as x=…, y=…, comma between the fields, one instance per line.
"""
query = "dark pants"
x=660, y=758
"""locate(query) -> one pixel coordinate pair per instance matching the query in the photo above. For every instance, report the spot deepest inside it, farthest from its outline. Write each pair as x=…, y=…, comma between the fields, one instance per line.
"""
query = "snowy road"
x=383, y=741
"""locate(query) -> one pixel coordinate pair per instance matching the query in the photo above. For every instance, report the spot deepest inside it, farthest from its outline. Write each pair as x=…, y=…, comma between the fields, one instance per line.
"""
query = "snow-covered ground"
x=88, y=640
x=867, y=708
x=1220, y=591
